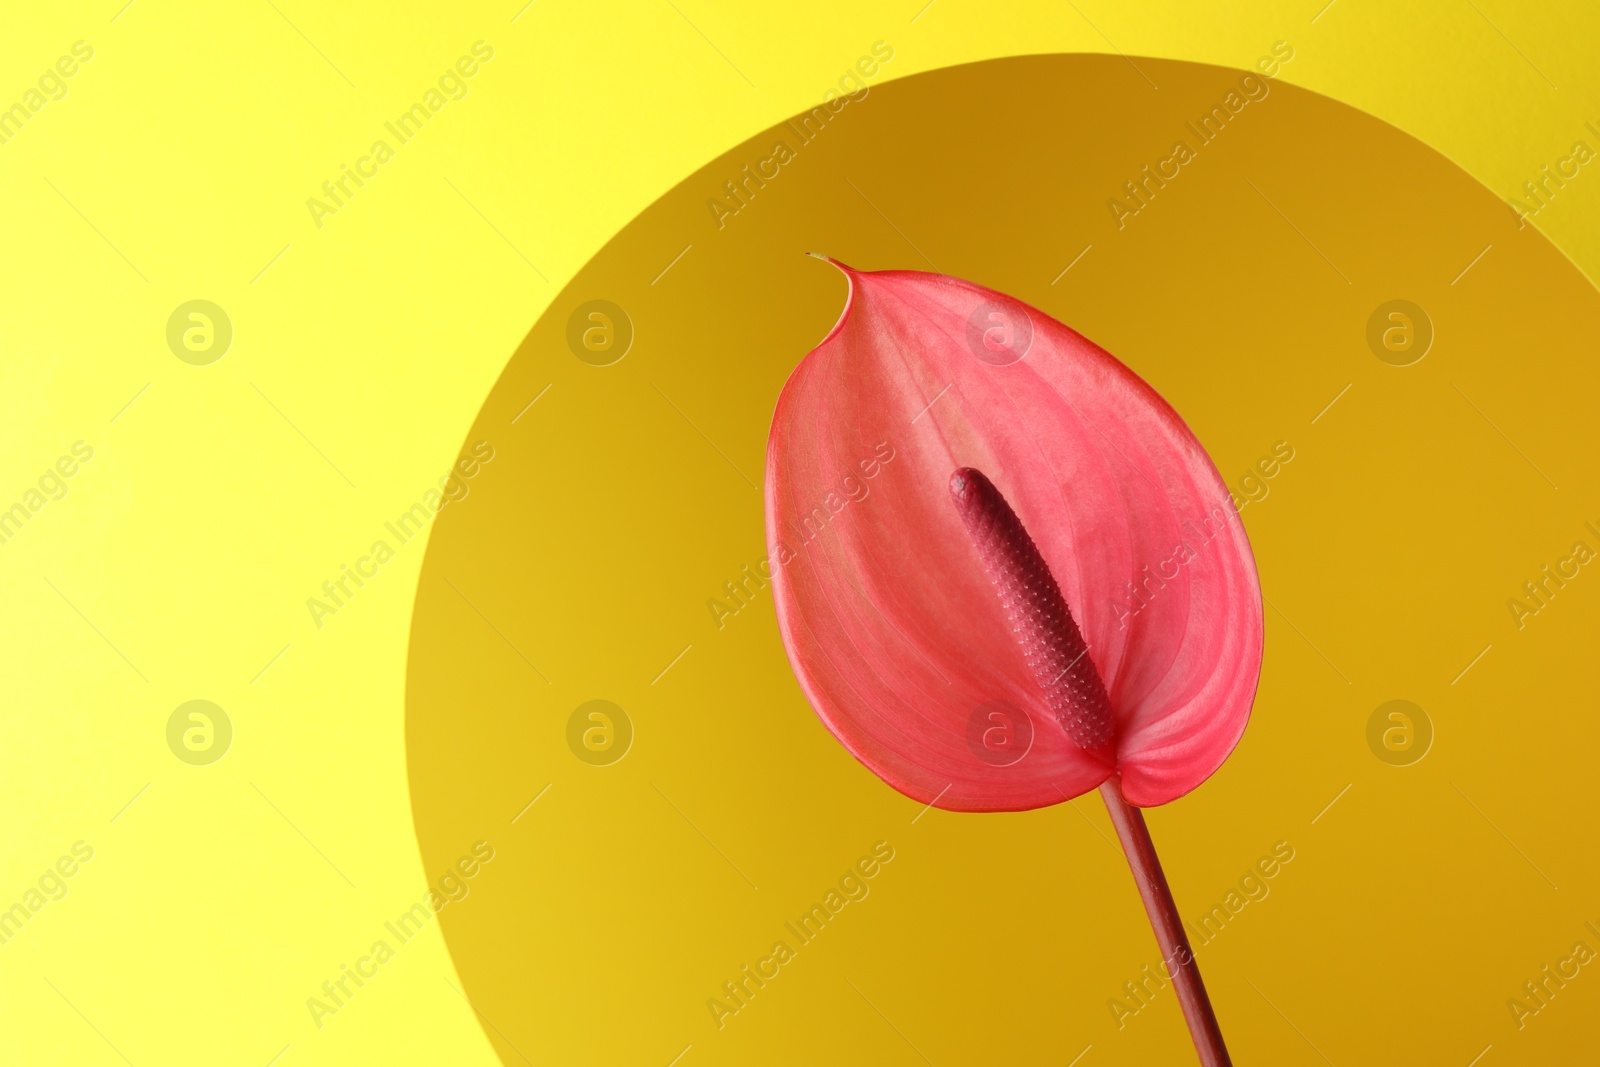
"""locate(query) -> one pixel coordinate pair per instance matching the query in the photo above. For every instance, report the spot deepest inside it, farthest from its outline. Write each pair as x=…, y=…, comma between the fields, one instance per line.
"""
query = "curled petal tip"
x=833, y=262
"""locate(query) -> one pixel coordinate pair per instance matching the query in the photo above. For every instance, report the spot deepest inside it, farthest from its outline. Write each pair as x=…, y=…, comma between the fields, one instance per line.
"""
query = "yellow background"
x=177, y=167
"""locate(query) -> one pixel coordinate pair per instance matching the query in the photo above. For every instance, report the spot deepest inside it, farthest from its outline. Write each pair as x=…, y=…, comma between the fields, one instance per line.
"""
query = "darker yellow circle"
x=616, y=545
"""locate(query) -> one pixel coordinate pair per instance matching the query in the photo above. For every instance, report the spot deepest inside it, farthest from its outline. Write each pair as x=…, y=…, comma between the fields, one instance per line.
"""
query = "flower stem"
x=1178, y=961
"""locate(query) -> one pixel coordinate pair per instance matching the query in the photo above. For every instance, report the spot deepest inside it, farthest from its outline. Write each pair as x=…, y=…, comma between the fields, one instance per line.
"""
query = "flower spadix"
x=1004, y=567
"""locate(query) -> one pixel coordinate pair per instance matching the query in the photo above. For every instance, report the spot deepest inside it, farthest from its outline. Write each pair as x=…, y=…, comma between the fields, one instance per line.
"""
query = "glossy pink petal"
x=894, y=627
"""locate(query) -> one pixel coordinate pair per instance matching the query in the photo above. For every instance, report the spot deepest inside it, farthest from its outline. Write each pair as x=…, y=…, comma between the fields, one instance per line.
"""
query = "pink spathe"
x=888, y=611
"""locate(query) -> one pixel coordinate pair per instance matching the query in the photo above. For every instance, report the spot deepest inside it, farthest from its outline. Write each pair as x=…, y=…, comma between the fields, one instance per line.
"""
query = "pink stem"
x=1177, y=958
x=1054, y=647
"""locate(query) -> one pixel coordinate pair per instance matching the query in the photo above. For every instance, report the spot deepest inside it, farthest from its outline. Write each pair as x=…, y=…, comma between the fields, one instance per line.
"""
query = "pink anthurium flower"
x=1007, y=572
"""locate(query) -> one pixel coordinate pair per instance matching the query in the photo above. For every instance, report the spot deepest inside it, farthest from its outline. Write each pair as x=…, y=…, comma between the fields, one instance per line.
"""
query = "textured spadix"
x=1040, y=620
x=901, y=638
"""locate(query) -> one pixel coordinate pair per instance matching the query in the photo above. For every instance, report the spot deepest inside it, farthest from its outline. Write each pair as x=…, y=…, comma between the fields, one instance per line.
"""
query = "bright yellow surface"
x=178, y=564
